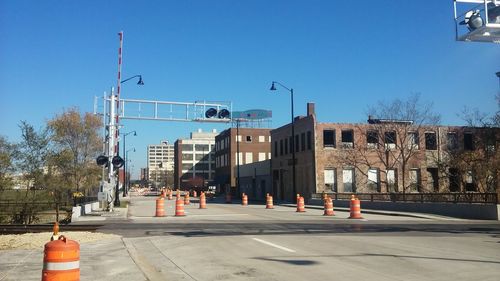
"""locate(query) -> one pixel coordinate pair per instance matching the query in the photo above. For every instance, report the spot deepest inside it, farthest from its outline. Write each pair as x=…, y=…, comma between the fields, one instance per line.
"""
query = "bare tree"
x=391, y=140
x=78, y=136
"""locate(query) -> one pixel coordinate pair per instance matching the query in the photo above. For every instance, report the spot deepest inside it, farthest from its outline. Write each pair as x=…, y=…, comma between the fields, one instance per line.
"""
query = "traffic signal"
x=221, y=114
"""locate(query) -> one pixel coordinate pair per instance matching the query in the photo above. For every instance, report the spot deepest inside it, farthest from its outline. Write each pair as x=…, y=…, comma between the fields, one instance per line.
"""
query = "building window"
x=309, y=140
x=290, y=141
x=390, y=140
x=373, y=180
x=347, y=138
x=303, y=141
x=454, y=180
x=275, y=148
x=469, y=182
x=262, y=156
x=468, y=143
x=296, y=143
x=238, y=138
x=329, y=138
x=262, y=138
x=391, y=180
x=248, y=157
x=240, y=158
x=432, y=179
x=187, y=166
x=286, y=146
x=414, y=177
x=281, y=147
x=413, y=140
x=430, y=141
x=269, y=155
x=372, y=139
x=187, y=156
x=452, y=141
x=348, y=180
x=187, y=147
x=199, y=156
x=201, y=147
x=330, y=182
x=249, y=139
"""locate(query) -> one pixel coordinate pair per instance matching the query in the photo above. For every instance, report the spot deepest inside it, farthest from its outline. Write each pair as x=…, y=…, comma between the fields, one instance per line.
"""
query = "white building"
x=161, y=164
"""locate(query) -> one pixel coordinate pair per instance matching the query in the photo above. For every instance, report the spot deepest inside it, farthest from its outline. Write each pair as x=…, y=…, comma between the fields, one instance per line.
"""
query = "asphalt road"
x=234, y=242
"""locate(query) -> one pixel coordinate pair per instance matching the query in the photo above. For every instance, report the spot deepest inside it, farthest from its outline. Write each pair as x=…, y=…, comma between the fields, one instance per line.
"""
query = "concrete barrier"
x=456, y=210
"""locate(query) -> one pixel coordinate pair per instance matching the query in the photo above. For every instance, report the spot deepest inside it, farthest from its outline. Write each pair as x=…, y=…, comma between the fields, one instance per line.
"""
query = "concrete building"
x=195, y=161
x=251, y=149
x=381, y=156
x=160, y=164
x=144, y=174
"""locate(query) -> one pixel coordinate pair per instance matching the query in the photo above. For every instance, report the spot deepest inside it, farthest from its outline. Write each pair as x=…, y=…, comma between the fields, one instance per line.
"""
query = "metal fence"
x=453, y=197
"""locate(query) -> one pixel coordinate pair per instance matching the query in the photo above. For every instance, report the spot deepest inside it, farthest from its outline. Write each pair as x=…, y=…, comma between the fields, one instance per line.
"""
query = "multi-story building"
x=194, y=165
x=247, y=151
x=144, y=174
x=160, y=164
x=382, y=156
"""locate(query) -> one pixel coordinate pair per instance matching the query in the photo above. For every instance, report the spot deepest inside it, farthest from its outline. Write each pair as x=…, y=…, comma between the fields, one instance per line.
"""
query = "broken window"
x=347, y=138
x=468, y=143
x=372, y=139
x=454, y=180
x=414, y=180
x=430, y=141
x=390, y=140
x=413, y=140
x=452, y=141
x=432, y=179
x=373, y=180
x=329, y=138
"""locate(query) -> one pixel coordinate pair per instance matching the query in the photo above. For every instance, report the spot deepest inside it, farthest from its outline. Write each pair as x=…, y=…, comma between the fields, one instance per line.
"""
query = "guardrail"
x=452, y=197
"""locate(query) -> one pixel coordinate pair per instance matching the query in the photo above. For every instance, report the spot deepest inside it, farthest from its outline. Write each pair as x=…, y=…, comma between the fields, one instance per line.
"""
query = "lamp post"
x=125, y=181
x=273, y=88
x=140, y=82
x=238, y=190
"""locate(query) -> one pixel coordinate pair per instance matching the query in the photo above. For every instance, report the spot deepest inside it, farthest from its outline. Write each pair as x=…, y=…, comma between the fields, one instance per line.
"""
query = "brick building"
x=250, y=148
x=381, y=156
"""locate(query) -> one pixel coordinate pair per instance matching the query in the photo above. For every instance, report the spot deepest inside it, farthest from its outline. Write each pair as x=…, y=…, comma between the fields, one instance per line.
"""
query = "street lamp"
x=117, y=191
x=125, y=181
x=273, y=88
x=125, y=192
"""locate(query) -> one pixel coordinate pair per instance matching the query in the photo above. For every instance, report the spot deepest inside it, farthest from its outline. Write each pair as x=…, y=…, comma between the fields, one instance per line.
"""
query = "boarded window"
x=413, y=140
x=391, y=181
x=414, y=177
x=373, y=180
x=262, y=156
x=330, y=182
x=348, y=180
x=329, y=138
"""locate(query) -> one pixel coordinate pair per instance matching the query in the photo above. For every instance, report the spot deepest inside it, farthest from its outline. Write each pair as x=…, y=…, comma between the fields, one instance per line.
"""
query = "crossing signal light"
x=102, y=160
x=221, y=114
x=117, y=162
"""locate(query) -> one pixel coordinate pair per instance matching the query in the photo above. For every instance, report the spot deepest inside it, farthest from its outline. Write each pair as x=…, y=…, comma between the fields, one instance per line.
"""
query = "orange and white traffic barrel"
x=186, y=199
x=328, y=207
x=61, y=260
x=179, y=208
x=300, y=205
x=203, y=201
x=355, y=208
x=269, y=202
x=160, y=207
x=244, y=199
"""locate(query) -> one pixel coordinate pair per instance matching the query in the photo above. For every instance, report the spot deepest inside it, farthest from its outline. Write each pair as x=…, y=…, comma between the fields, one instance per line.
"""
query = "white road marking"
x=274, y=245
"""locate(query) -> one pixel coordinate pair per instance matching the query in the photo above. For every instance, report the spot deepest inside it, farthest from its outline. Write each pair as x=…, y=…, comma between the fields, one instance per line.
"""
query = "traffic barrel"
x=228, y=198
x=179, y=208
x=300, y=205
x=178, y=194
x=61, y=260
x=55, y=233
x=269, y=202
x=162, y=193
x=328, y=207
x=186, y=199
x=203, y=201
x=160, y=207
x=355, y=208
x=297, y=199
x=244, y=199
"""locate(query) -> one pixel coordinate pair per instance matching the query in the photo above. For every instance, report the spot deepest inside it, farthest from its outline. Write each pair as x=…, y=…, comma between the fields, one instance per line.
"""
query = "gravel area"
x=38, y=240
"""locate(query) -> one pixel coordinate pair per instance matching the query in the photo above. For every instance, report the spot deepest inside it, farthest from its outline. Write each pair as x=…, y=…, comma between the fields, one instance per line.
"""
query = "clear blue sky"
x=59, y=54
